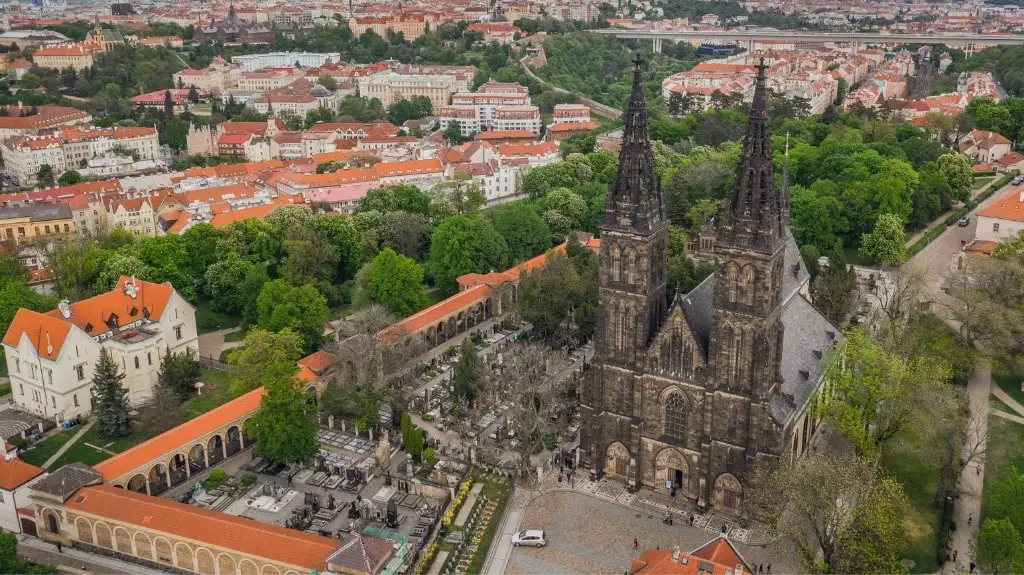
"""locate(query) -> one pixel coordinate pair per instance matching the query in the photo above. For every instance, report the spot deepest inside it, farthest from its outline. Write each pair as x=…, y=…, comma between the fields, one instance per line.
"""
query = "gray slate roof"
x=37, y=212
x=805, y=331
x=67, y=480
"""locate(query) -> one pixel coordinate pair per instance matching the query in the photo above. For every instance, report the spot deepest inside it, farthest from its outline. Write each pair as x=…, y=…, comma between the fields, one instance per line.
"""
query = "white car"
x=532, y=537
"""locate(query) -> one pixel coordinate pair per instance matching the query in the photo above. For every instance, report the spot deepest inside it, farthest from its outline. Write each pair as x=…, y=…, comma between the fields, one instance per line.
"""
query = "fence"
x=213, y=363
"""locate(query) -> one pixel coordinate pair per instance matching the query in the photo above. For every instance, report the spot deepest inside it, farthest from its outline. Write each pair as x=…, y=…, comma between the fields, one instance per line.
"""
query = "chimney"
x=739, y=569
x=130, y=288
x=19, y=105
x=49, y=344
x=65, y=308
x=675, y=553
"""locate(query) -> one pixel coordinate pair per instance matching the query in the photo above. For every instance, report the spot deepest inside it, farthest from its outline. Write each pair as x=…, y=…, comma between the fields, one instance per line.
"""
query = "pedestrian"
x=59, y=547
x=769, y=569
x=970, y=519
x=559, y=478
x=673, y=496
x=636, y=544
x=977, y=467
x=760, y=568
x=954, y=556
x=972, y=567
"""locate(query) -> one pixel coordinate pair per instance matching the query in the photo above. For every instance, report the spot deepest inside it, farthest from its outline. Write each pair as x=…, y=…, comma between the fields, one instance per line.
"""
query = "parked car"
x=964, y=222
x=530, y=537
x=1017, y=180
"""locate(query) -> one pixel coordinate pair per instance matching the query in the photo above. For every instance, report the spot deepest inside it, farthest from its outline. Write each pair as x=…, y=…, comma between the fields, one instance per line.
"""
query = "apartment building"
x=78, y=56
x=570, y=114
x=269, y=79
x=466, y=116
x=515, y=118
x=219, y=76
x=51, y=356
x=300, y=97
x=74, y=146
x=133, y=214
x=257, y=62
x=35, y=222
x=45, y=118
x=389, y=87
x=411, y=26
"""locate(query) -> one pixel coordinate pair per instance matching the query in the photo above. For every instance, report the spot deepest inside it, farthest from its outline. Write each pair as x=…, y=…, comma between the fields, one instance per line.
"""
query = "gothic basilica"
x=692, y=391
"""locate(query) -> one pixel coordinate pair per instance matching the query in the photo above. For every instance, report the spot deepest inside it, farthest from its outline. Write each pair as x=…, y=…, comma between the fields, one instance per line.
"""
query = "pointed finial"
x=787, y=144
x=637, y=61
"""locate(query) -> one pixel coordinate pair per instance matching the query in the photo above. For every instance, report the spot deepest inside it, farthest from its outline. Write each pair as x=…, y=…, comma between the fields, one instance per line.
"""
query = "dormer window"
x=132, y=312
x=88, y=327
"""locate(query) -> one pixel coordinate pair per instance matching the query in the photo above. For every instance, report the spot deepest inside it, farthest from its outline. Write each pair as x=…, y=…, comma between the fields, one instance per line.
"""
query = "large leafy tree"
x=887, y=243
x=11, y=562
x=265, y=354
x=468, y=372
x=999, y=548
x=396, y=282
x=560, y=299
x=464, y=244
x=110, y=399
x=524, y=231
x=956, y=168
x=840, y=513
x=281, y=305
x=285, y=426
x=398, y=197
x=876, y=394
x=224, y=281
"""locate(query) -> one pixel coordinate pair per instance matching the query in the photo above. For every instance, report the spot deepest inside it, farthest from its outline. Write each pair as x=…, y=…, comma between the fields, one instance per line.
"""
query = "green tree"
x=11, y=562
x=876, y=394
x=398, y=197
x=224, y=281
x=468, y=373
x=265, y=354
x=179, y=373
x=453, y=133
x=560, y=299
x=280, y=305
x=110, y=399
x=999, y=546
x=524, y=231
x=168, y=104
x=328, y=82
x=956, y=168
x=1006, y=498
x=120, y=264
x=317, y=116
x=887, y=243
x=175, y=134
x=463, y=244
x=44, y=176
x=285, y=426
x=396, y=282
x=70, y=178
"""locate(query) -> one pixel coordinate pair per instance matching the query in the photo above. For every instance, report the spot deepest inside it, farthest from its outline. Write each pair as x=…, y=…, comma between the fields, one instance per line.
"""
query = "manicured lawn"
x=995, y=403
x=38, y=453
x=5, y=389
x=919, y=480
x=1005, y=449
x=81, y=452
x=980, y=182
x=208, y=320
x=210, y=398
x=235, y=336
x=1010, y=383
x=853, y=257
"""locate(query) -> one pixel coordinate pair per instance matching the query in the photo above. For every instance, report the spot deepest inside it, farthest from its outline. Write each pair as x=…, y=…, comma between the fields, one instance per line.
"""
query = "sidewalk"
x=75, y=560
x=67, y=445
x=967, y=510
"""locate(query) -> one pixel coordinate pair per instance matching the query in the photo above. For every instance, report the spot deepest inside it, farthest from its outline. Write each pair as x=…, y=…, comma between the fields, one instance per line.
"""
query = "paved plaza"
x=589, y=534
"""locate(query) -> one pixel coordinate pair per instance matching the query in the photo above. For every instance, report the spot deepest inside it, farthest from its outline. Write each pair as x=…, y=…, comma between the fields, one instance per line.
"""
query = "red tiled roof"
x=226, y=218
x=1008, y=207
x=46, y=333
x=14, y=473
x=289, y=546
x=318, y=361
x=96, y=311
x=717, y=557
x=179, y=437
x=491, y=135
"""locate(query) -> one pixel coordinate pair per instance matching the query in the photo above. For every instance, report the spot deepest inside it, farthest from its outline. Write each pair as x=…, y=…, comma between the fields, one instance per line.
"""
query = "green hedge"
x=985, y=174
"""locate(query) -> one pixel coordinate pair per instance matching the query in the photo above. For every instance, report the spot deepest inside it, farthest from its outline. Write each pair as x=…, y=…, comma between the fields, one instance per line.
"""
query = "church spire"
x=784, y=192
x=634, y=200
x=752, y=217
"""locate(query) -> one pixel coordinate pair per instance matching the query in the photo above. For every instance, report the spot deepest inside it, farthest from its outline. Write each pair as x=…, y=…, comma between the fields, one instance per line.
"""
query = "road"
x=735, y=36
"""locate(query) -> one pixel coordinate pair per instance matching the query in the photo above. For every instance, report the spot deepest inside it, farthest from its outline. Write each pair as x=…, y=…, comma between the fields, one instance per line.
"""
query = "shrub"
x=428, y=417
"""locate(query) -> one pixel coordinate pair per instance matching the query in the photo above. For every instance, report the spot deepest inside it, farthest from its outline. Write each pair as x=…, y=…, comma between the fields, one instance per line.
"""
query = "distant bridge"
x=969, y=42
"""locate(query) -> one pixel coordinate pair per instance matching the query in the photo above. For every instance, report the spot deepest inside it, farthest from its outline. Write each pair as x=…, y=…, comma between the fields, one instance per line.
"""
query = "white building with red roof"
x=51, y=356
x=984, y=147
x=15, y=478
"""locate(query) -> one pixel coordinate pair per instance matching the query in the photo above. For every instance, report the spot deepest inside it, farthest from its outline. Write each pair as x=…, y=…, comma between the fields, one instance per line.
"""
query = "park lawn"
x=853, y=257
x=996, y=403
x=981, y=182
x=1005, y=449
x=236, y=336
x=210, y=398
x=1010, y=383
x=208, y=320
x=919, y=481
x=38, y=453
x=195, y=406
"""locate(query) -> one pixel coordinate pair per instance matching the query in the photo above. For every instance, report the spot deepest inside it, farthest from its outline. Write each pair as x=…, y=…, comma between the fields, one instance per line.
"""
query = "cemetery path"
x=1008, y=400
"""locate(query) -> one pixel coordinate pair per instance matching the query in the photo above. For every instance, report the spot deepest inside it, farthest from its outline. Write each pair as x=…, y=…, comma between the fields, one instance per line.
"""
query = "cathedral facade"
x=690, y=392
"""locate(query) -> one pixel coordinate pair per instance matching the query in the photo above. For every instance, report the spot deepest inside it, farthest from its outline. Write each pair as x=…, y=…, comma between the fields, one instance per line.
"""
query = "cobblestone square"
x=589, y=535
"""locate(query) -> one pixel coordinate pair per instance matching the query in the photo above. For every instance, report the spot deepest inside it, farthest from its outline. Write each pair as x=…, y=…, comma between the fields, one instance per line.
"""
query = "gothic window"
x=732, y=422
x=731, y=273
x=764, y=181
x=747, y=281
x=629, y=331
x=734, y=359
x=616, y=264
x=630, y=266
x=675, y=416
x=620, y=329
x=677, y=338
x=625, y=403
x=687, y=359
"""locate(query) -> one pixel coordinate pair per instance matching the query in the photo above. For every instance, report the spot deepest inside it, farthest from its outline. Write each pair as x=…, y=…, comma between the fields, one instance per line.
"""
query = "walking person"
x=60, y=547
x=636, y=544
x=769, y=569
x=673, y=496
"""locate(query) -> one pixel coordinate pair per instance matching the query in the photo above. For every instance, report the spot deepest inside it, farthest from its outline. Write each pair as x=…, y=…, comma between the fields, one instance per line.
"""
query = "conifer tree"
x=110, y=399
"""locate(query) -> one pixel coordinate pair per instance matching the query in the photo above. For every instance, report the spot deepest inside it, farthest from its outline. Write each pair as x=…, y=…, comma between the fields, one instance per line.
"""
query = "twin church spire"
x=754, y=215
